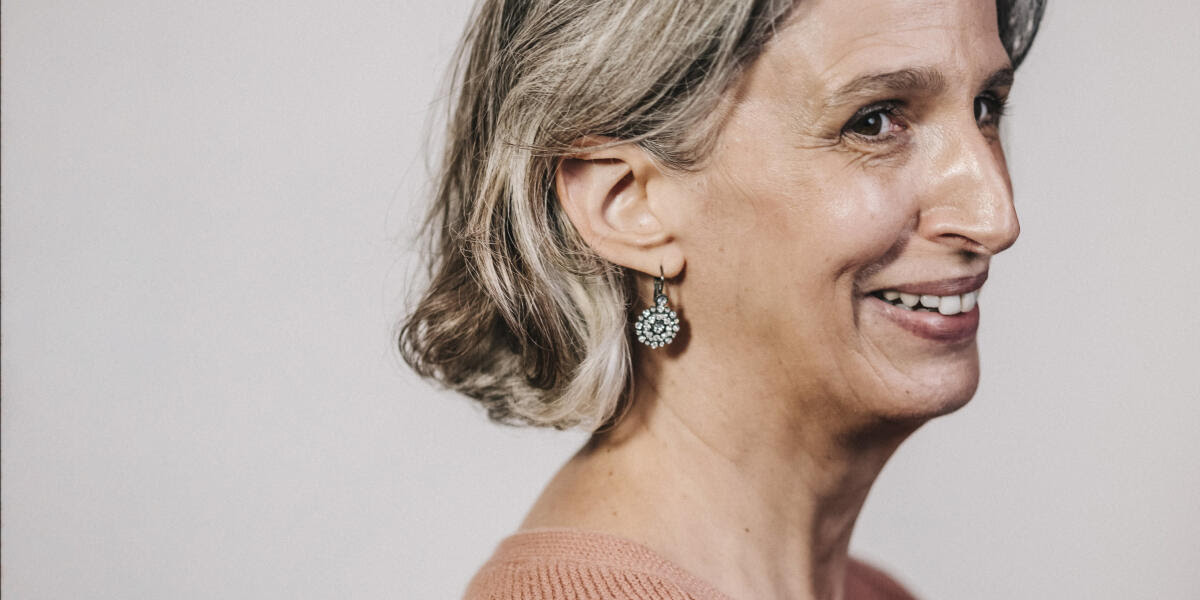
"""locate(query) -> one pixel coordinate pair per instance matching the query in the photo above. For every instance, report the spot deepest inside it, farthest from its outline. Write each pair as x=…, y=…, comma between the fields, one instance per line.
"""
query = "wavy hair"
x=520, y=314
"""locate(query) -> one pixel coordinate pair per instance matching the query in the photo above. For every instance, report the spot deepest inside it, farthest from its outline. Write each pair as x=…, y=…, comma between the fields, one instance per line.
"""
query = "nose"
x=970, y=203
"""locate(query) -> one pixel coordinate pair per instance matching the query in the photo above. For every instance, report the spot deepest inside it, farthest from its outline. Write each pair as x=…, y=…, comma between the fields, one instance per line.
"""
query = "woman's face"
x=860, y=159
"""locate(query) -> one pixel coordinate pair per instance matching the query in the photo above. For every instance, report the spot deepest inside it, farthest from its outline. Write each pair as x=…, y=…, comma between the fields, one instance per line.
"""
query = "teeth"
x=968, y=300
x=946, y=305
x=950, y=305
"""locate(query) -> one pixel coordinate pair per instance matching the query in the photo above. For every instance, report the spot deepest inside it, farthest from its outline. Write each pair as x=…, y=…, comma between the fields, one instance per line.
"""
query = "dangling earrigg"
x=656, y=326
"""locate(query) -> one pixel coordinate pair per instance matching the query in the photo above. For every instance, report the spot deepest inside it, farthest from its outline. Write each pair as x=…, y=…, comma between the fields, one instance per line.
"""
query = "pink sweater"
x=557, y=564
x=562, y=564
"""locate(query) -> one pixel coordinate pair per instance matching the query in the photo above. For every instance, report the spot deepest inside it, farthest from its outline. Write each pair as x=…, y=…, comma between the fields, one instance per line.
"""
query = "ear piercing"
x=656, y=326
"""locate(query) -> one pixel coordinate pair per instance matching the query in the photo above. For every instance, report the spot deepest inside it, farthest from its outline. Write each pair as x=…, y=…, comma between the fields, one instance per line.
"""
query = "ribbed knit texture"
x=566, y=564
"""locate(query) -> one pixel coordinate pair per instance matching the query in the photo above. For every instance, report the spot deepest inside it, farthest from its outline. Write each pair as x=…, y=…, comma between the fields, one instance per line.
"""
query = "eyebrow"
x=1001, y=78
x=925, y=79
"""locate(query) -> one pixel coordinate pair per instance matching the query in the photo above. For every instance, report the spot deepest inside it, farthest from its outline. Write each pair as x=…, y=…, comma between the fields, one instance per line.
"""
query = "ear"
x=604, y=193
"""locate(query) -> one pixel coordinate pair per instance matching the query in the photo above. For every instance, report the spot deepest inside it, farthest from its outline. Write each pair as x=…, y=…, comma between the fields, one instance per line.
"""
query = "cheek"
x=802, y=227
x=788, y=238
x=865, y=218
x=841, y=225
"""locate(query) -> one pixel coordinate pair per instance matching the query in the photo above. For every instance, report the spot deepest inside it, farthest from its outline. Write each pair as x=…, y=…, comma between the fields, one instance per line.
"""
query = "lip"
x=934, y=326
x=941, y=287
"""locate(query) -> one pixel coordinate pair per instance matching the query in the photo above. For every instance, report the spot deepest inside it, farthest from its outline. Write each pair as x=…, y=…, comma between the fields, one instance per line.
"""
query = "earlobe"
x=604, y=194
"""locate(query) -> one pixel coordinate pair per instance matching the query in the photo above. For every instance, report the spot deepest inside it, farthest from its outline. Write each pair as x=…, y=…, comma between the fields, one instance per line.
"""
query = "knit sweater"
x=561, y=564
x=568, y=564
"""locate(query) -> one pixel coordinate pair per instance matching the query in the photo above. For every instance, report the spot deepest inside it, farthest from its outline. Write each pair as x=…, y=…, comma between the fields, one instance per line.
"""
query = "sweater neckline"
x=604, y=549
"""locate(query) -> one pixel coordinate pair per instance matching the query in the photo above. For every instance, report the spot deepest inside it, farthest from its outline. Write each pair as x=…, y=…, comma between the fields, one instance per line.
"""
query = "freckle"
x=610, y=472
x=747, y=530
x=614, y=513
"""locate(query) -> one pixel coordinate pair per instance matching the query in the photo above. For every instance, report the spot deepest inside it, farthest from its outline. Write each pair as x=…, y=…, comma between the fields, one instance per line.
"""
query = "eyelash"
x=890, y=109
x=999, y=105
x=996, y=106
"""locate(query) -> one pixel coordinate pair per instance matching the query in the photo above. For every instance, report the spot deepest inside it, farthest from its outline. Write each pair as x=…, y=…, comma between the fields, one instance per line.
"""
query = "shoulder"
x=556, y=579
x=867, y=582
x=563, y=564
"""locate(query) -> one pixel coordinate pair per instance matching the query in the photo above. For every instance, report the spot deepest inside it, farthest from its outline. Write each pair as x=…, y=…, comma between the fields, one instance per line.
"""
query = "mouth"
x=944, y=310
x=945, y=305
x=945, y=296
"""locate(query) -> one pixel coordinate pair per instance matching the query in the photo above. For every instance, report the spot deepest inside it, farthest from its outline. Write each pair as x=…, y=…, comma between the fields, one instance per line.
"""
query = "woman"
x=812, y=192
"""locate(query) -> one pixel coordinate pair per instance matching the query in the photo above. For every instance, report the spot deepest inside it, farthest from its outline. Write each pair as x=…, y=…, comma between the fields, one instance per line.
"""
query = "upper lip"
x=940, y=287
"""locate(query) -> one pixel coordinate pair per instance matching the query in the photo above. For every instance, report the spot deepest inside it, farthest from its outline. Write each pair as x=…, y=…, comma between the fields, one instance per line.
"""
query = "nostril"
x=966, y=245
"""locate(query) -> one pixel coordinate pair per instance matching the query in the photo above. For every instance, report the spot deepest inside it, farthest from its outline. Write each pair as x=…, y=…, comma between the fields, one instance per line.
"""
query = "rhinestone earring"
x=656, y=326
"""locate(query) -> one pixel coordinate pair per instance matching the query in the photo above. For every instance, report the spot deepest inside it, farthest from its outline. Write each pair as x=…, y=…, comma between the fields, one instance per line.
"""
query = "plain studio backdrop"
x=207, y=215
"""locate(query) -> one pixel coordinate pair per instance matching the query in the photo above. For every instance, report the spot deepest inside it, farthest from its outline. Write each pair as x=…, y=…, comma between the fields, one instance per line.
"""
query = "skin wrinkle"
x=795, y=388
x=866, y=44
x=667, y=442
x=732, y=181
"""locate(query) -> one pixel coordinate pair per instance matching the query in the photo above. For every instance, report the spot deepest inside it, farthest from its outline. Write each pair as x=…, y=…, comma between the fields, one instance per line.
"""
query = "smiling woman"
x=809, y=198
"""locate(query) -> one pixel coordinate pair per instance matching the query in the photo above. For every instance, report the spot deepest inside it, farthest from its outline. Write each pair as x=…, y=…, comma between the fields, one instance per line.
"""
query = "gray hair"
x=520, y=313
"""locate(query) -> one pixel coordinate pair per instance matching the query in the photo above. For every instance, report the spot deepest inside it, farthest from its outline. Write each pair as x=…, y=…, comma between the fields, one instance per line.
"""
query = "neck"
x=760, y=503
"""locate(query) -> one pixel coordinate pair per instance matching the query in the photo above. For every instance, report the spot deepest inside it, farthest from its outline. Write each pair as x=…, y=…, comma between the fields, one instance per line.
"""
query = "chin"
x=932, y=389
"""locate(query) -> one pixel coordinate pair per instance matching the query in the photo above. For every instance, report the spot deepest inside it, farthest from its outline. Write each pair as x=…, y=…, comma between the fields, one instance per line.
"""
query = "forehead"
x=825, y=44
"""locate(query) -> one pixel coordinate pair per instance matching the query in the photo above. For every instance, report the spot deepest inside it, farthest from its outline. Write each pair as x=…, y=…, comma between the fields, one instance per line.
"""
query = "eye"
x=988, y=110
x=873, y=122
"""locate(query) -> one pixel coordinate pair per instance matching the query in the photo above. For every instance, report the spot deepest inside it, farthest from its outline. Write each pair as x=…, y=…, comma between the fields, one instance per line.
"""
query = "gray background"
x=206, y=216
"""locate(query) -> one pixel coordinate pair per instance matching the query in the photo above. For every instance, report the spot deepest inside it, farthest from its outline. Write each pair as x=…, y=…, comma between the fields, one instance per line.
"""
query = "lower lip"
x=931, y=325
